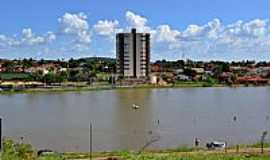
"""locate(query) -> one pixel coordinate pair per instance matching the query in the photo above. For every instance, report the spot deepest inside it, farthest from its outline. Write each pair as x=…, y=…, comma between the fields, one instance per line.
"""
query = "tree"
x=190, y=72
x=9, y=65
x=55, y=77
x=73, y=63
x=38, y=76
x=27, y=63
x=222, y=67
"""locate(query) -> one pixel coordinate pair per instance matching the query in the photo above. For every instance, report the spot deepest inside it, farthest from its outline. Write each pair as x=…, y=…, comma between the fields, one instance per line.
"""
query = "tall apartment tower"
x=133, y=54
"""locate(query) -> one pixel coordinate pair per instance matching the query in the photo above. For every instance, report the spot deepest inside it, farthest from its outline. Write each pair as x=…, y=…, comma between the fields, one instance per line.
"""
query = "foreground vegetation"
x=17, y=151
x=195, y=157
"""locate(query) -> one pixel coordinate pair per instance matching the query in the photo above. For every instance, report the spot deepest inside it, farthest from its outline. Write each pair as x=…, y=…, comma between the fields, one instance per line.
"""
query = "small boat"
x=134, y=106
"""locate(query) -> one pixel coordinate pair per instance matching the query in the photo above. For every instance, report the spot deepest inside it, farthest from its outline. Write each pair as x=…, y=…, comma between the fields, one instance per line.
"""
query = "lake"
x=170, y=117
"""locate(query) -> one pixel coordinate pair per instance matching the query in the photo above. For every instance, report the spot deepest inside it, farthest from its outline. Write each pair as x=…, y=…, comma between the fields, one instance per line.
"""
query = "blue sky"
x=195, y=29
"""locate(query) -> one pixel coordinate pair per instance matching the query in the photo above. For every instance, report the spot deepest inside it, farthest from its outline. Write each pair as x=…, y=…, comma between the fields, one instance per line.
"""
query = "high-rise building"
x=133, y=54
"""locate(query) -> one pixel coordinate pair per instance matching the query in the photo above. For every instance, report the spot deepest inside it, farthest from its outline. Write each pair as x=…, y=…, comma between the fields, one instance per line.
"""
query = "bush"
x=16, y=151
x=12, y=151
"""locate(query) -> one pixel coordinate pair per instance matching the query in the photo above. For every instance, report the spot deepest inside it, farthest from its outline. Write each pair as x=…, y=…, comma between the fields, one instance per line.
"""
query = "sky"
x=180, y=29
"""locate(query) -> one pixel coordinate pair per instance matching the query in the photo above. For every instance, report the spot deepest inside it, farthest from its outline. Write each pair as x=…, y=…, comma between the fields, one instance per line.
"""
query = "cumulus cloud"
x=213, y=37
x=7, y=42
x=30, y=39
x=26, y=38
x=76, y=24
x=136, y=21
x=256, y=28
x=73, y=23
x=107, y=28
x=241, y=37
x=166, y=34
x=84, y=37
x=50, y=36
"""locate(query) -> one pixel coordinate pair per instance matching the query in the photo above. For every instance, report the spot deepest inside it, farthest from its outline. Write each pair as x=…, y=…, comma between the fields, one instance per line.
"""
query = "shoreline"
x=235, y=152
x=62, y=89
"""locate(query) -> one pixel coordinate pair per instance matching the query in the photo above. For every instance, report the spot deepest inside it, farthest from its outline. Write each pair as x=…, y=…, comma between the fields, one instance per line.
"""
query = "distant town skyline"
x=199, y=30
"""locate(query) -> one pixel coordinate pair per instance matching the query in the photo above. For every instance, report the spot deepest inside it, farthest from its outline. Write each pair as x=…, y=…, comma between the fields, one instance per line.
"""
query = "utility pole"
x=91, y=141
x=264, y=134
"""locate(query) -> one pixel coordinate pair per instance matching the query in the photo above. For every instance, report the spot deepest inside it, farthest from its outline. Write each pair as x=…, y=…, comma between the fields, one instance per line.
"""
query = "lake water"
x=173, y=117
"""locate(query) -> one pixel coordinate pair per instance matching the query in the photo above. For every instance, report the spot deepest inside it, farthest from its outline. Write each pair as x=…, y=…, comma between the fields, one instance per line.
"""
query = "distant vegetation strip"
x=107, y=87
x=15, y=76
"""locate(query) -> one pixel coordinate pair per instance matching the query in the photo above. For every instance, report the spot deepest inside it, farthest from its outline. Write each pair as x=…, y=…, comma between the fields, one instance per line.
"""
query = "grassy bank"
x=109, y=87
x=199, y=156
x=56, y=89
x=16, y=151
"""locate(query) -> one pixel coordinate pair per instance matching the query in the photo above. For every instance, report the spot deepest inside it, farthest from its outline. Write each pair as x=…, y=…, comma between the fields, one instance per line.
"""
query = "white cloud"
x=241, y=34
x=76, y=24
x=165, y=34
x=136, y=21
x=256, y=28
x=193, y=31
x=7, y=42
x=84, y=37
x=73, y=23
x=50, y=36
x=26, y=39
x=210, y=31
x=214, y=27
x=107, y=28
x=210, y=38
x=29, y=38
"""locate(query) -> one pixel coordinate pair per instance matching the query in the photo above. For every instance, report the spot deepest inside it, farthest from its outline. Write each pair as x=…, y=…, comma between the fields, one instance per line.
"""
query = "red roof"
x=251, y=79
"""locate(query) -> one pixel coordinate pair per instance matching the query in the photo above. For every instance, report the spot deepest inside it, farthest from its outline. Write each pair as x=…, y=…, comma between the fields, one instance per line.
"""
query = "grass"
x=197, y=84
x=182, y=149
x=258, y=145
x=56, y=90
x=14, y=76
x=103, y=76
x=16, y=151
x=106, y=86
x=254, y=145
x=200, y=156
